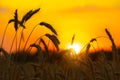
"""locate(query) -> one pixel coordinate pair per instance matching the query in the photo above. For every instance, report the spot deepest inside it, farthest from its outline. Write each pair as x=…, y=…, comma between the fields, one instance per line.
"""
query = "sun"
x=76, y=47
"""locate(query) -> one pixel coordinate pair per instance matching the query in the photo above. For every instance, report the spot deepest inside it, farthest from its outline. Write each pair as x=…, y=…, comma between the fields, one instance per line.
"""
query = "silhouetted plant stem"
x=16, y=41
x=40, y=41
x=4, y=35
x=87, y=48
x=39, y=51
x=73, y=38
x=113, y=45
x=39, y=38
x=110, y=37
x=90, y=61
x=25, y=18
x=54, y=40
x=115, y=55
x=29, y=37
x=29, y=48
x=48, y=44
x=112, y=41
x=20, y=40
x=13, y=42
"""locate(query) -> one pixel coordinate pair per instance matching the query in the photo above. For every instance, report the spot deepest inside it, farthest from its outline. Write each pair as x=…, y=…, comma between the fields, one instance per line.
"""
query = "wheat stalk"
x=54, y=40
x=29, y=37
x=49, y=27
x=115, y=55
x=25, y=18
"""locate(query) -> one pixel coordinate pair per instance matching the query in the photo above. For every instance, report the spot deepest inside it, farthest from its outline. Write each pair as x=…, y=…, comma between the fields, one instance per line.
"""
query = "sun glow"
x=76, y=47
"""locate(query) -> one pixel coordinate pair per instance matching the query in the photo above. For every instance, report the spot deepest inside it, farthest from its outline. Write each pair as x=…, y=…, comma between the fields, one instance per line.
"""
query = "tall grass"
x=55, y=65
x=115, y=63
x=25, y=18
x=8, y=56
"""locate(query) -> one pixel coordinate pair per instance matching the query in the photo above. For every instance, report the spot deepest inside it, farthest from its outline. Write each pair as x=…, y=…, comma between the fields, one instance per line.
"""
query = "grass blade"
x=29, y=37
x=46, y=48
x=4, y=35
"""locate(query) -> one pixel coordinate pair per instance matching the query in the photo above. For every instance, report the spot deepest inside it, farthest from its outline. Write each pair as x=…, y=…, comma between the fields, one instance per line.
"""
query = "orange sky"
x=84, y=18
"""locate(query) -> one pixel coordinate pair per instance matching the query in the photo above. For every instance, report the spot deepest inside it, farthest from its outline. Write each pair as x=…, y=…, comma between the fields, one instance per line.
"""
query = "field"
x=46, y=64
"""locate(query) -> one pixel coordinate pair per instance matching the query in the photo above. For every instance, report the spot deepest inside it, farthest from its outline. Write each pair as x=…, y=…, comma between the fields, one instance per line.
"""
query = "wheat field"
x=46, y=64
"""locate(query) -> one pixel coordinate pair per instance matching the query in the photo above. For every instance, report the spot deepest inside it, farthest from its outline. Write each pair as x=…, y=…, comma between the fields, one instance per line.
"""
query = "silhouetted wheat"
x=88, y=45
x=25, y=18
x=54, y=40
x=39, y=52
x=22, y=65
x=29, y=37
x=73, y=38
x=48, y=26
x=113, y=44
x=15, y=20
x=16, y=23
x=116, y=64
x=16, y=28
x=46, y=48
x=30, y=14
x=4, y=36
x=25, y=56
x=112, y=40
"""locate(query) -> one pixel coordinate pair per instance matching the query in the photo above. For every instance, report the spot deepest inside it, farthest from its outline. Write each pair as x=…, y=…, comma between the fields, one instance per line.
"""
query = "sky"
x=86, y=19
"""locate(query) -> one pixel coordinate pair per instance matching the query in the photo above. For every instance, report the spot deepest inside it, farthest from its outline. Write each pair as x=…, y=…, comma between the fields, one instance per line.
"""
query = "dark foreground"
x=95, y=66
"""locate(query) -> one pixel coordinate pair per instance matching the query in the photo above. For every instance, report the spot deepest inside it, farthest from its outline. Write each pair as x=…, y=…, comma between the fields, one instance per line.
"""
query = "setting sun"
x=76, y=47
